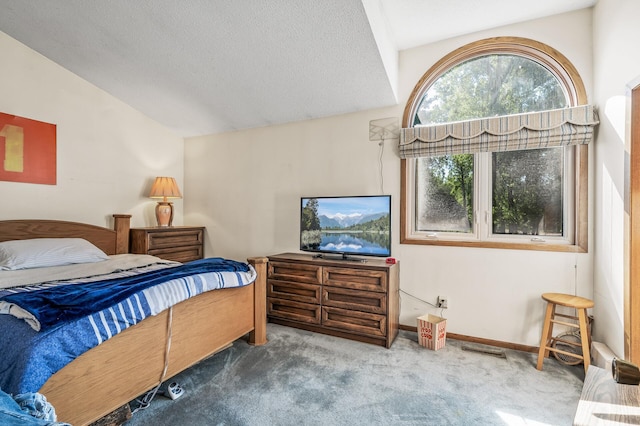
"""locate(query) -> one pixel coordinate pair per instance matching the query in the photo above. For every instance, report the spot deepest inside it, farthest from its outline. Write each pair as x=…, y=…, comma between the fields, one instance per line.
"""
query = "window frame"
x=569, y=78
x=568, y=205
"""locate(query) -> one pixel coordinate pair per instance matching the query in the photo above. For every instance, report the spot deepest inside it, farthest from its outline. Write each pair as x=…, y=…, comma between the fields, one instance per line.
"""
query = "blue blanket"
x=60, y=305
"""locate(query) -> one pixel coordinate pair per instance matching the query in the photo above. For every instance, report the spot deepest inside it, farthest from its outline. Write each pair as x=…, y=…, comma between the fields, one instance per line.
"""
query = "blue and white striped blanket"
x=30, y=357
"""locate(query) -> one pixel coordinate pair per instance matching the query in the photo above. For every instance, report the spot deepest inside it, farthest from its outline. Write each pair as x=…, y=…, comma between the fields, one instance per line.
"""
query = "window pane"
x=444, y=193
x=488, y=86
x=527, y=194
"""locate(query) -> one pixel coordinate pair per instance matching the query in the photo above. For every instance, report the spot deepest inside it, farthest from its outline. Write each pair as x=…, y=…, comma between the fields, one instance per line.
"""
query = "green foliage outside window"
x=447, y=195
x=490, y=86
x=527, y=192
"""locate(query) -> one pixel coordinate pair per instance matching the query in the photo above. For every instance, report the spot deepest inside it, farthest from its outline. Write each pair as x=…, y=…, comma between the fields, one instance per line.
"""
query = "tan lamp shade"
x=164, y=188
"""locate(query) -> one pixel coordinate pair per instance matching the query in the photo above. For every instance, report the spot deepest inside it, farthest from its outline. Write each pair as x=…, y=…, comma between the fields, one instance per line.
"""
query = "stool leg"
x=547, y=330
x=584, y=337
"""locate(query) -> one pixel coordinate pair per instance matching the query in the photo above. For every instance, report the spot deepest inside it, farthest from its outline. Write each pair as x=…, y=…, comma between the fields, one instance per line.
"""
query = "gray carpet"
x=304, y=378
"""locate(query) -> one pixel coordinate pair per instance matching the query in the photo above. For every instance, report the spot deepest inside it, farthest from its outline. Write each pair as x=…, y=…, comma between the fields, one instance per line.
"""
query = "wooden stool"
x=580, y=304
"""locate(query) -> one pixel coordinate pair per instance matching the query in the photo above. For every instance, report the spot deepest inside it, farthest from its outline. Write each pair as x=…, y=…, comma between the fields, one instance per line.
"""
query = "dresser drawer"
x=301, y=273
x=300, y=292
x=354, y=321
x=367, y=301
x=360, y=279
x=159, y=240
x=291, y=310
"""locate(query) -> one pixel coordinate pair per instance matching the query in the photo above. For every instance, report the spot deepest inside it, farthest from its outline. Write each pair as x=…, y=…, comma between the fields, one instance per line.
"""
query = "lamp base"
x=164, y=213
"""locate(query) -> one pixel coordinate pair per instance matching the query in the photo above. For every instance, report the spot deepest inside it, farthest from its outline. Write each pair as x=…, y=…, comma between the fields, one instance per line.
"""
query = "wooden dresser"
x=357, y=300
x=179, y=243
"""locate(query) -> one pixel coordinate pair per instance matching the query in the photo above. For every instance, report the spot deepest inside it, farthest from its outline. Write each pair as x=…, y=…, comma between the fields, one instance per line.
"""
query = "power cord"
x=423, y=301
x=381, y=144
x=145, y=401
x=575, y=275
x=380, y=130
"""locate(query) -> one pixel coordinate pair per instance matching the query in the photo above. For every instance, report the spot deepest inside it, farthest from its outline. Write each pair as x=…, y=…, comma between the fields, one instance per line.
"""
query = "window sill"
x=565, y=248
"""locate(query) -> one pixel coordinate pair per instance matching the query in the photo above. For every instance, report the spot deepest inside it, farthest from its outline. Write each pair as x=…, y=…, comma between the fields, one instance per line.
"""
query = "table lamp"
x=165, y=188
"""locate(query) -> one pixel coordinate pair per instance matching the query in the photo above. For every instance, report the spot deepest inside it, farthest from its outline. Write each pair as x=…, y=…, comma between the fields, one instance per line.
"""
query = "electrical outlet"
x=443, y=302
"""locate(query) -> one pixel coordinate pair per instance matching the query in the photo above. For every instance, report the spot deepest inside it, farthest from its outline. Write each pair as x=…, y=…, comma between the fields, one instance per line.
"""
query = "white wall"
x=616, y=66
x=107, y=152
x=245, y=188
x=495, y=293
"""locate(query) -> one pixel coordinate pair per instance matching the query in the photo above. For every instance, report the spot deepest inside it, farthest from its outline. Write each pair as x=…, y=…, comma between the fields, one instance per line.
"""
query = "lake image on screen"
x=354, y=225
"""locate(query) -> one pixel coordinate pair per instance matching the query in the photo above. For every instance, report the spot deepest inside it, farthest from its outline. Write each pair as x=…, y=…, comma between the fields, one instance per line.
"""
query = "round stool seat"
x=568, y=300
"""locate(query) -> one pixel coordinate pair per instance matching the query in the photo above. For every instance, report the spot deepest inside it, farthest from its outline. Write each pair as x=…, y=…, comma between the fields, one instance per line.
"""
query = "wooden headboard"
x=111, y=241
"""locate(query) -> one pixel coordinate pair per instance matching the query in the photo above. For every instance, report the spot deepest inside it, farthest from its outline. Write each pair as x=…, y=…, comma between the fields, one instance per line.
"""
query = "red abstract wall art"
x=27, y=150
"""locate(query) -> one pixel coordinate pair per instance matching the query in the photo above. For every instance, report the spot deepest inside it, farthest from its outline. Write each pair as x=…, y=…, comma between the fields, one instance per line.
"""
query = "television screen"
x=346, y=225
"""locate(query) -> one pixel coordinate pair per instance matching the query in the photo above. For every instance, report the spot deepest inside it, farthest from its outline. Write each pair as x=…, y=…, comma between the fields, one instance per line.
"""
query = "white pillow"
x=43, y=252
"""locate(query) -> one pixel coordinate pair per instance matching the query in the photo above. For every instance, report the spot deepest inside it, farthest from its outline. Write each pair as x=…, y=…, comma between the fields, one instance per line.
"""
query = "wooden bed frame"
x=131, y=363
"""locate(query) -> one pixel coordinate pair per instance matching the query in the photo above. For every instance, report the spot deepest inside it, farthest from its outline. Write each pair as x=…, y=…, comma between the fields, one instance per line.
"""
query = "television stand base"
x=344, y=256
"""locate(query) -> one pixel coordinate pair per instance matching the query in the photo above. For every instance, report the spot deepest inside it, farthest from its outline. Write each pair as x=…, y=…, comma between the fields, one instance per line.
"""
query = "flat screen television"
x=346, y=226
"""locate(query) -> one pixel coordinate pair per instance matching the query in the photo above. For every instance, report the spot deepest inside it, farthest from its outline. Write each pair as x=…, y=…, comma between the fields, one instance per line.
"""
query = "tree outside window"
x=492, y=195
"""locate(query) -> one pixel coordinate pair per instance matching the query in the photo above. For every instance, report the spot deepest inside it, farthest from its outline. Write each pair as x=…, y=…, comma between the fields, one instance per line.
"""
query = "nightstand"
x=179, y=243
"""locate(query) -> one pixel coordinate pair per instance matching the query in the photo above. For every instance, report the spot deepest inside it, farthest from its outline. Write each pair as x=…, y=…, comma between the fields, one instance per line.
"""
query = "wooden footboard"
x=129, y=364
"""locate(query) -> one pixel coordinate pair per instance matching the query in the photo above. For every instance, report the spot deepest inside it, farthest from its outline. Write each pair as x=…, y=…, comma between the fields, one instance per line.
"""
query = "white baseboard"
x=601, y=355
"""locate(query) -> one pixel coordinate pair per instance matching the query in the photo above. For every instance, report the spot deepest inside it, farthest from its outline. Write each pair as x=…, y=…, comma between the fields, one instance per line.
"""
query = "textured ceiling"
x=210, y=66
x=417, y=22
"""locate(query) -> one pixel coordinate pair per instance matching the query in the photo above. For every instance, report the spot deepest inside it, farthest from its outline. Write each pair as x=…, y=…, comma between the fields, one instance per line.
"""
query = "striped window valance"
x=545, y=129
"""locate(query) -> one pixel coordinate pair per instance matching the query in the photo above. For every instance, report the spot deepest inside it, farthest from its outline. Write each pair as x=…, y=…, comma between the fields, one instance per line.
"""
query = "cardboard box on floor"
x=432, y=331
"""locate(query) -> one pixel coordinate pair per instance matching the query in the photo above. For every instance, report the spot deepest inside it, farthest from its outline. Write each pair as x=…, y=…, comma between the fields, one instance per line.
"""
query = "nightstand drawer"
x=160, y=240
x=179, y=254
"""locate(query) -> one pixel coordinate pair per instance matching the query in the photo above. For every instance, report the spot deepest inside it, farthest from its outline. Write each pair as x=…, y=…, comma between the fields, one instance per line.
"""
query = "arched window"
x=494, y=150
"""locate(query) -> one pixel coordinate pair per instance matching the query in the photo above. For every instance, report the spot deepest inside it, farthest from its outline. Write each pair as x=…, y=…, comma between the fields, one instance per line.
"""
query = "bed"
x=132, y=362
